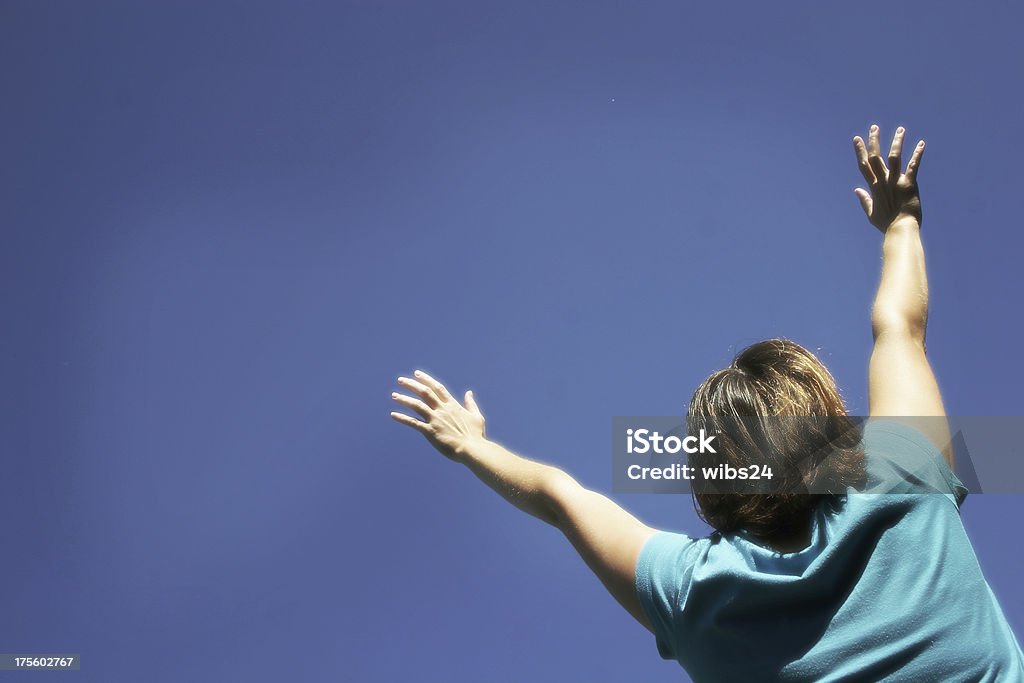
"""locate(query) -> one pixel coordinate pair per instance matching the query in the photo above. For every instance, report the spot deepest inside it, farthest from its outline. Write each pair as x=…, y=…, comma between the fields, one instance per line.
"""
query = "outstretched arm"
x=900, y=378
x=607, y=537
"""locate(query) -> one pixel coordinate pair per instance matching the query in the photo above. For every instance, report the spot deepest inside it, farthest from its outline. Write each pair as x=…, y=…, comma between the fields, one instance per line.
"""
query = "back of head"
x=792, y=419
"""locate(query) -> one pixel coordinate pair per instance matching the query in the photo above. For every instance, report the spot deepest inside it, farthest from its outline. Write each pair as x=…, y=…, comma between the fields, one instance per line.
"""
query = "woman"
x=813, y=583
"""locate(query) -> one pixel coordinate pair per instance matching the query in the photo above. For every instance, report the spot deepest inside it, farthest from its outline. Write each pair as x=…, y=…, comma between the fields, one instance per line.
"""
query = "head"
x=767, y=383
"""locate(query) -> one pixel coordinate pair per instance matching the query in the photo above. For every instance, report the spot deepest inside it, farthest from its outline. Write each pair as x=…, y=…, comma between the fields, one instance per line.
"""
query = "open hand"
x=893, y=193
x=448, y=425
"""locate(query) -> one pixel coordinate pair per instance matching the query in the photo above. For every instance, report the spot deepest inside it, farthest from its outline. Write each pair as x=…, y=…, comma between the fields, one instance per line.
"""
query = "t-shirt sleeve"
x=900, y=459
x=663, y=573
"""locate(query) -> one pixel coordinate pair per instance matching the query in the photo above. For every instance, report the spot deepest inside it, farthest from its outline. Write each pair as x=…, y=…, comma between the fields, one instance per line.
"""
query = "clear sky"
x=228, y=227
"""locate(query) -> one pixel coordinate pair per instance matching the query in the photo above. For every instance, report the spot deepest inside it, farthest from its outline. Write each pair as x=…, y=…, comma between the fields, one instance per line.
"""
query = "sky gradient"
x=230, y=226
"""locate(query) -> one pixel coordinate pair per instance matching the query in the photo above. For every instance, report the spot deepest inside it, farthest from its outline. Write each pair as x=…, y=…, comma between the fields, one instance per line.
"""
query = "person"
x=877, y=581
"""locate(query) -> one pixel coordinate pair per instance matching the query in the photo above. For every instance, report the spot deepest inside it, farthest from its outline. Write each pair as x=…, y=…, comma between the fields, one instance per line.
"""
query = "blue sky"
x=230, y=226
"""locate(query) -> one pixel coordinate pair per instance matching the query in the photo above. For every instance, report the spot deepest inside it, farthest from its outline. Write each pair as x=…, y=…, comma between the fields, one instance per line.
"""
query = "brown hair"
x=810, y=459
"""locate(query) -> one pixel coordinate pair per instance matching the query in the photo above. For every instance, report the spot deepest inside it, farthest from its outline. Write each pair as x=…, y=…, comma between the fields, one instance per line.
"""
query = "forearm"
x=902, y=300
x=531, y=486
x=608, y=538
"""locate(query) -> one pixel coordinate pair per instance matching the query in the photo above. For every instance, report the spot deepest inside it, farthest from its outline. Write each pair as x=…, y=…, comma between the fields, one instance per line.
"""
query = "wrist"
x=904, y=222
x=467, y=448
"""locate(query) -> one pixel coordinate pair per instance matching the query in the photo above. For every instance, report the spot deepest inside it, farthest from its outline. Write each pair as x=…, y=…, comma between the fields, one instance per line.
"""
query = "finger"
x=865, y=200
x=915, y=160
x=439, y=389
x=862, y=160
x=425, y=392
x=412, y=422
x=410, y=402
x=471, y=404
x=895, y=161
x=875, y=155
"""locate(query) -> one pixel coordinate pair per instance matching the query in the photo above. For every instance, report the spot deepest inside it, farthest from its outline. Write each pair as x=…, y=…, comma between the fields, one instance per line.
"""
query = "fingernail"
x=394, y=394
x=418, y=373
x=874, y=127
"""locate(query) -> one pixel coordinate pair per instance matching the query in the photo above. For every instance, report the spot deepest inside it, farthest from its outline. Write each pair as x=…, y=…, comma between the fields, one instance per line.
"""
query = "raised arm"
x=607, y=537
x=900, y=378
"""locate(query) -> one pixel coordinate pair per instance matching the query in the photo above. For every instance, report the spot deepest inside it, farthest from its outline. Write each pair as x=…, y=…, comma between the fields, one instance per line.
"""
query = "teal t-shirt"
x=888, y=589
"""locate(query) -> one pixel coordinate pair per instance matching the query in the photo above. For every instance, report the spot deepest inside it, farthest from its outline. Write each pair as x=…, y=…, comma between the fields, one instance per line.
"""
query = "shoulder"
x=664, y=571
x=666, y=554
x=900, y=459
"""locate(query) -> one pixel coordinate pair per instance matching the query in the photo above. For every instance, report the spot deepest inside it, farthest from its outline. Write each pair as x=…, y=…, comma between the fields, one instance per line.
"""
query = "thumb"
x=865, y=200
x=471, y=403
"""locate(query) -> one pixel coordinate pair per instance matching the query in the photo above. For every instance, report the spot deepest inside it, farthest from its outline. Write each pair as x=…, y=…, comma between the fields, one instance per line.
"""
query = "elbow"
x=560, y=489
x=887, y=322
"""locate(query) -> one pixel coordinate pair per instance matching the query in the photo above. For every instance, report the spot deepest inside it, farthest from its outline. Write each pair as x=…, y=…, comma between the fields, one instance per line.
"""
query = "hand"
x=448, y=426
x=893, y=194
